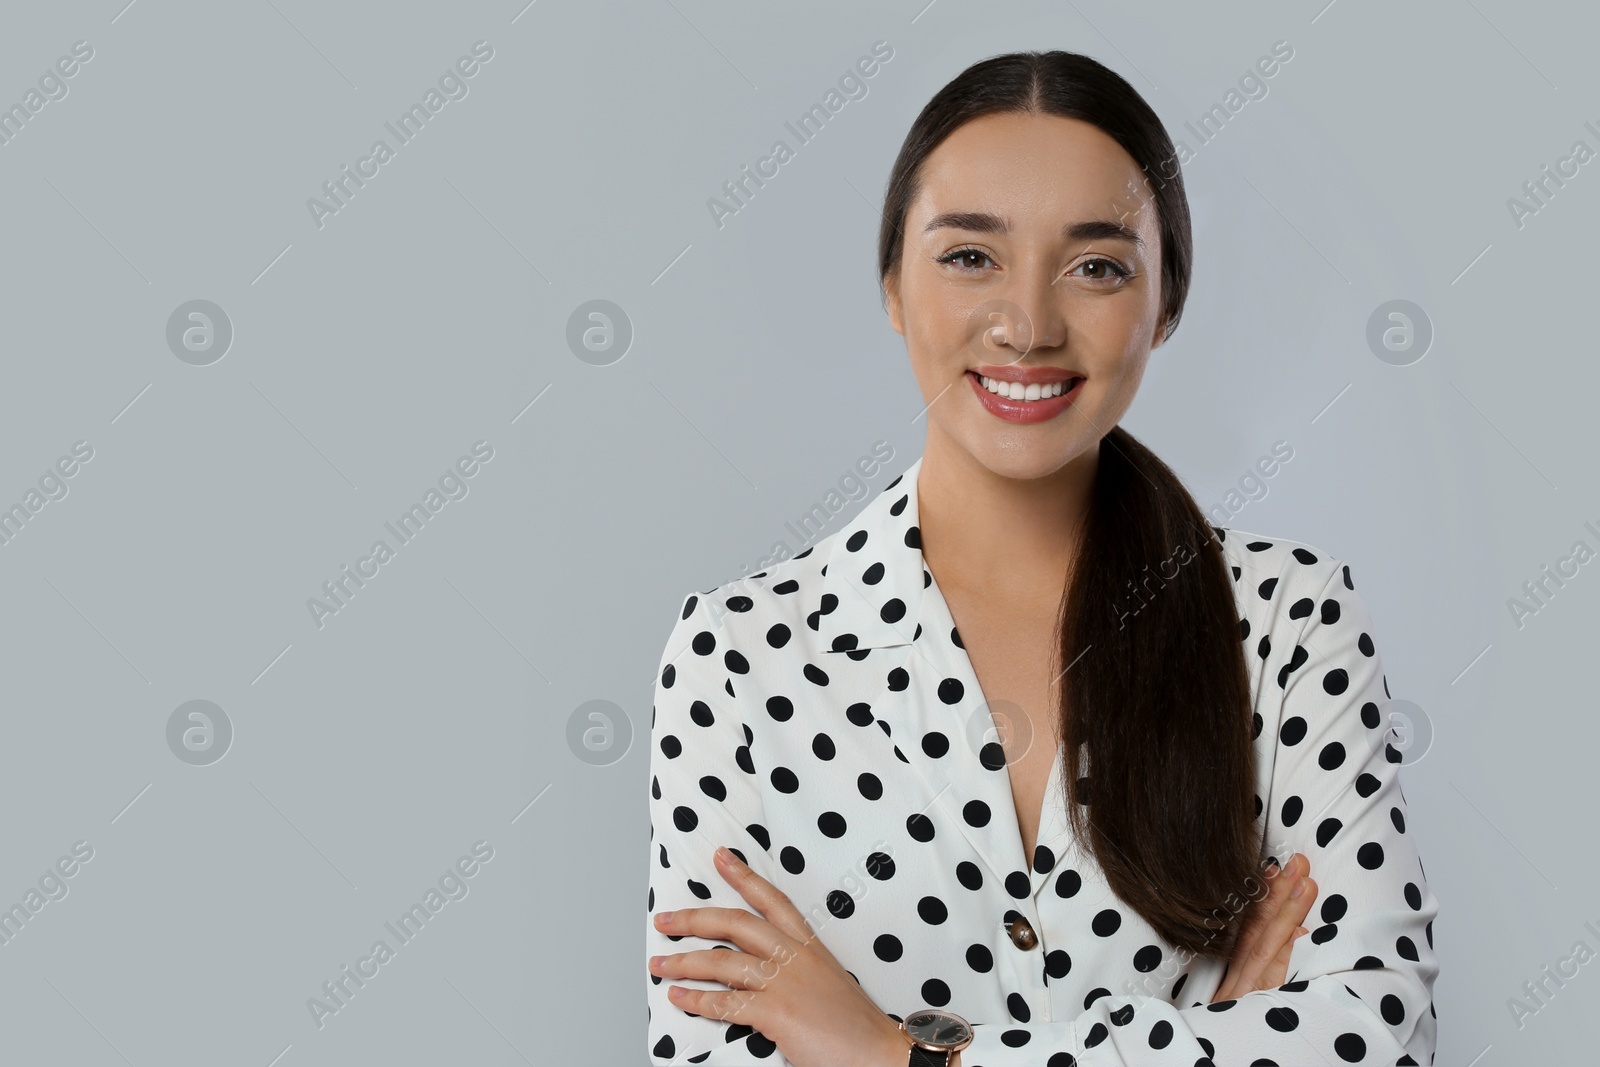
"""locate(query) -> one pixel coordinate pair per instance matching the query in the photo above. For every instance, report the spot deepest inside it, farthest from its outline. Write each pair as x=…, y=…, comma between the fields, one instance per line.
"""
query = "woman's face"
x=1032, y=254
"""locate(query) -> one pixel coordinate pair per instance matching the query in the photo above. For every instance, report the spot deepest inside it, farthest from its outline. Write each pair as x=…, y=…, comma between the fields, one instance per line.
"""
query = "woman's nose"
x=1004, y=329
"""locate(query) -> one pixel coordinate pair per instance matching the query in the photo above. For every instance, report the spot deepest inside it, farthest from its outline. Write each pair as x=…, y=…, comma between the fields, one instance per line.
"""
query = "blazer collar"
x=873, y=596
x=874, y=577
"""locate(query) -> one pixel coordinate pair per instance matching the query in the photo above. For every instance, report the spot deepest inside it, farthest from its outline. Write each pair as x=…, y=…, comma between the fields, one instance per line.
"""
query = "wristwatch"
x=934, y=1034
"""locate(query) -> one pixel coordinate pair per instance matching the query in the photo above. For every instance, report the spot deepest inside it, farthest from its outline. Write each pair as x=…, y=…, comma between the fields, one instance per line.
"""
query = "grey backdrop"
x=742, y=366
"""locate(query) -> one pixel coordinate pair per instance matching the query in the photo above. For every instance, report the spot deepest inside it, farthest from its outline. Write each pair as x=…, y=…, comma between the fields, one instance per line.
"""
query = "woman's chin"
x=1025, y=456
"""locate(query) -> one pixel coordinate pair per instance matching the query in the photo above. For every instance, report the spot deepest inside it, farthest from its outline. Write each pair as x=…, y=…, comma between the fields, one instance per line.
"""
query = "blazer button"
x=1022, y=934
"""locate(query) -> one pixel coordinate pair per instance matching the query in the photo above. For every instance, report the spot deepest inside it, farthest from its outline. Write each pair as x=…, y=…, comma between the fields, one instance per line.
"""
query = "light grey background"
x=427, y=314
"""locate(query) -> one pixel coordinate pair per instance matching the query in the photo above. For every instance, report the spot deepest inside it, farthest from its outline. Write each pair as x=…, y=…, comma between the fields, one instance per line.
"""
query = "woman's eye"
x=1107, y=269
x=963, y=258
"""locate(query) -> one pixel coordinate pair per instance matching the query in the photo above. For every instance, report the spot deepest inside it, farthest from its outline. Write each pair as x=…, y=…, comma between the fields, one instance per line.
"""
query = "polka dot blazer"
x=822, y=719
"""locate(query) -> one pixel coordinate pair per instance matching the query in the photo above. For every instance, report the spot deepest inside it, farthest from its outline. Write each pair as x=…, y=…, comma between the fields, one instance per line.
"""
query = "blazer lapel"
x=878, y=594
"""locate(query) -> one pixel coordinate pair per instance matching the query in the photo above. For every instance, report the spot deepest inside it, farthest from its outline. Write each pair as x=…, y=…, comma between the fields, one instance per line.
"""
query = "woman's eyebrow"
x=986, y=222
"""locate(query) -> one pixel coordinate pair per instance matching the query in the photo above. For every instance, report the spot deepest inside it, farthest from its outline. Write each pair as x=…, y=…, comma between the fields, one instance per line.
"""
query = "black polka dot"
x=1293, y=730
x=881, y=866
x=1282, y=1019
x=1350, y=1047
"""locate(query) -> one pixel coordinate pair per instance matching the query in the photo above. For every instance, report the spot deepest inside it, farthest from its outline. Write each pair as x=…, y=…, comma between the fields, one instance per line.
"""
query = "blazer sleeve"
x=1361, y=982
x=703, y=793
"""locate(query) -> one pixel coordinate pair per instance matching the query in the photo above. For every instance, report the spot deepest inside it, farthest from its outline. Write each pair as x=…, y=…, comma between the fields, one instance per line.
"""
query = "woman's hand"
x=1260, y=959
x=785, y=983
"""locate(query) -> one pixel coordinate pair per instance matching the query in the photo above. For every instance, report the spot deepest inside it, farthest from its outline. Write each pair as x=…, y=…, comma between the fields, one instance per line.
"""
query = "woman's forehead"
x=1032, y=170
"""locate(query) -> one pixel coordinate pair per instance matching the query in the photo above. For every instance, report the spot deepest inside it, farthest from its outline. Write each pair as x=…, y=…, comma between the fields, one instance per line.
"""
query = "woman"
x=860, y=723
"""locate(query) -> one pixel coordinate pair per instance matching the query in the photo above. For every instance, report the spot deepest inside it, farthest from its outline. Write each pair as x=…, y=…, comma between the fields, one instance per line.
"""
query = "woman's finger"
x=1257, y=919
x=751, y=933
x=736, y=970
x=765, y=897
x=729, y=1005
x=1277, y=972
x=1278, y=931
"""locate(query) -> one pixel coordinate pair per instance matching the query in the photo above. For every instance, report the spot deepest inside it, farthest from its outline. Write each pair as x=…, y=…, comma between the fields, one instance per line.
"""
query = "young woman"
x=1011, y=756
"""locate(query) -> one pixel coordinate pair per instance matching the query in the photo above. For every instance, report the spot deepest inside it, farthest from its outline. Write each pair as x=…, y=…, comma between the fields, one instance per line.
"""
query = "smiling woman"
x=1051, y=803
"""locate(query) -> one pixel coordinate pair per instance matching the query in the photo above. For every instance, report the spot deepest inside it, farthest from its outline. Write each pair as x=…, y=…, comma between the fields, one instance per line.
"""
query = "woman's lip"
x=1026, y=375
x=1024, y=411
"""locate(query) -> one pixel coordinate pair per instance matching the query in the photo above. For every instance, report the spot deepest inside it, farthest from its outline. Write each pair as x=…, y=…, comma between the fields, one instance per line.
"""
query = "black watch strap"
x=921, y=1057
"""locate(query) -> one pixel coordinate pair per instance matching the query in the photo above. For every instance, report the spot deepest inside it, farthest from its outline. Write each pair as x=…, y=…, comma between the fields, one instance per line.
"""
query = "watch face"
x=938, y=1030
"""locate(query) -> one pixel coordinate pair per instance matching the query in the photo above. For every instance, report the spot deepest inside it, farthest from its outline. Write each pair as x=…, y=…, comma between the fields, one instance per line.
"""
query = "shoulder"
x=1267, y=567
x=767, y=607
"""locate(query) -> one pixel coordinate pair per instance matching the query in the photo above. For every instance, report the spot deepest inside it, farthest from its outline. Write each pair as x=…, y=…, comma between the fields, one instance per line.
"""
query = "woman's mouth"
x=1016, y=402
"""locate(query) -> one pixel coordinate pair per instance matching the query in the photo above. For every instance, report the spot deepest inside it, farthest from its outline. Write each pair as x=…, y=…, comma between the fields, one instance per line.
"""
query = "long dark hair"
x=1156, y=696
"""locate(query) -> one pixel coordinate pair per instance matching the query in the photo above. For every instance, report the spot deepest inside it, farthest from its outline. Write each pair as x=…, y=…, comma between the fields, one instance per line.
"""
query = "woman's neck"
x=983, y=530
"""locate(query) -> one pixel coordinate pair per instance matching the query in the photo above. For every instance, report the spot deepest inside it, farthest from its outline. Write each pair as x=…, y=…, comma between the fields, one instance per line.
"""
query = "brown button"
x=1022, y=934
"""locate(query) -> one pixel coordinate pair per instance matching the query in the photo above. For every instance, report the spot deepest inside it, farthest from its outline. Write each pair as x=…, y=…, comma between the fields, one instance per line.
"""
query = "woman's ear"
x=1161, y=335
x=891, y=292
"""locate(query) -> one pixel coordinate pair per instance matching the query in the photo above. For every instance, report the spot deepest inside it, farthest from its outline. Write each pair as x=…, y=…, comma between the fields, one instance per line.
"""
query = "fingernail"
x=655, y=961
x=1301, y=930
x=663, y=917
x=1299, y=887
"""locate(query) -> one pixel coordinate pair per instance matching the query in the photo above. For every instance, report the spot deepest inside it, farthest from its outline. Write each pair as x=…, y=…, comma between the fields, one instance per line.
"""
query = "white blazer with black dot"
x=822, y=719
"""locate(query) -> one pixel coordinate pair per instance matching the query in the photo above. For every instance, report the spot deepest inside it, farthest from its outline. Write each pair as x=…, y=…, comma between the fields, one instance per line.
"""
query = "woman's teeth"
x=1018, y=391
